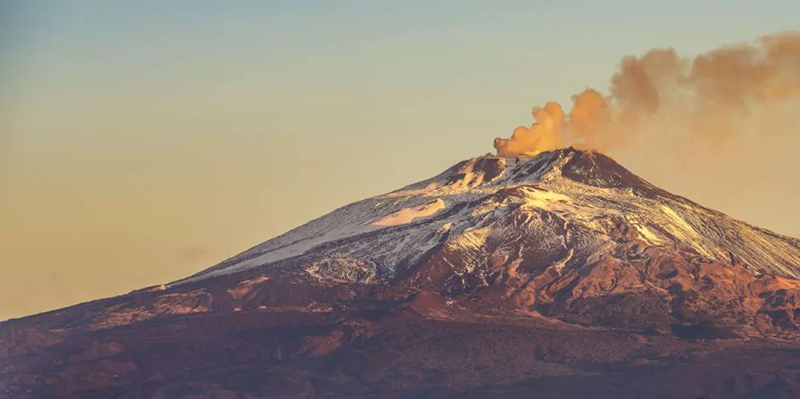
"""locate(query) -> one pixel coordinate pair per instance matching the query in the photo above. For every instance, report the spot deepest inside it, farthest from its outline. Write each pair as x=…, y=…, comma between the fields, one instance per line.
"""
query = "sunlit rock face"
x=560, y=275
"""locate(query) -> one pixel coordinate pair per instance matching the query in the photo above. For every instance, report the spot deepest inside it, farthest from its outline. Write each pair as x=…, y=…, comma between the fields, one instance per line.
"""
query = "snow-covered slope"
x=569, y=200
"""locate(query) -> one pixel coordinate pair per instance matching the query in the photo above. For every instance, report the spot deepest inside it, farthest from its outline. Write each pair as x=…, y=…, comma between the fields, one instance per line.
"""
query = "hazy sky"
x=143, y=141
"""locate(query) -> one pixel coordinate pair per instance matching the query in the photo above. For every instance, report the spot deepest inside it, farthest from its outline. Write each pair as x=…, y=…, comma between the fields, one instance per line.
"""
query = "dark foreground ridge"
x=559, y=276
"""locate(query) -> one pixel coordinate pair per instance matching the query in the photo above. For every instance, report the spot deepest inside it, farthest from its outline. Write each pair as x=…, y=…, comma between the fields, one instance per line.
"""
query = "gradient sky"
x=143, y=141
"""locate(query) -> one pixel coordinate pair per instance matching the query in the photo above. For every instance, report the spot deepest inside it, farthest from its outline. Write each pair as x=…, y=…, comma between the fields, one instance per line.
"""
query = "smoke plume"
x=663, y=100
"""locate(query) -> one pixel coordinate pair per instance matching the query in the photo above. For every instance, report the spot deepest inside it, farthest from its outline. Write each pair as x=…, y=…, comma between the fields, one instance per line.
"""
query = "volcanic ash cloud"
x=714, y=98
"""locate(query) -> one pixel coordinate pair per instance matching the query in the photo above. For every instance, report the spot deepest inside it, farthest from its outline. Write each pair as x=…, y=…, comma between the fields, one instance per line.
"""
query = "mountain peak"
x=477, y=199
x=583, y=166
x=599, y=170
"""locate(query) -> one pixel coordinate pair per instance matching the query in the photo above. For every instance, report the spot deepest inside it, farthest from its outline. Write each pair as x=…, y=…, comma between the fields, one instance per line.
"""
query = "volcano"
x=556, y=276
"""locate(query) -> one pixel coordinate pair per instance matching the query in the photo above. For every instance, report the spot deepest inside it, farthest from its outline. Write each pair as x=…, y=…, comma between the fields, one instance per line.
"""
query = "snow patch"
x=407, y=215
x=445, y=228
x=342, y=269
x=472, y=238
x=646, y=234
x=677, y=218
x=543, y=199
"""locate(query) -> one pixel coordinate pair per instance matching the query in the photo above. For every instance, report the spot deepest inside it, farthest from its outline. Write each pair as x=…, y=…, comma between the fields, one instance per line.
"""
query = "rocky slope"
x=563, y=275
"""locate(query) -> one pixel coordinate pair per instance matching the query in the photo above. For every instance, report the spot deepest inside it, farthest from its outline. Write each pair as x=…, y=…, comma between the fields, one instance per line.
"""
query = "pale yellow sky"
x=140, y=143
